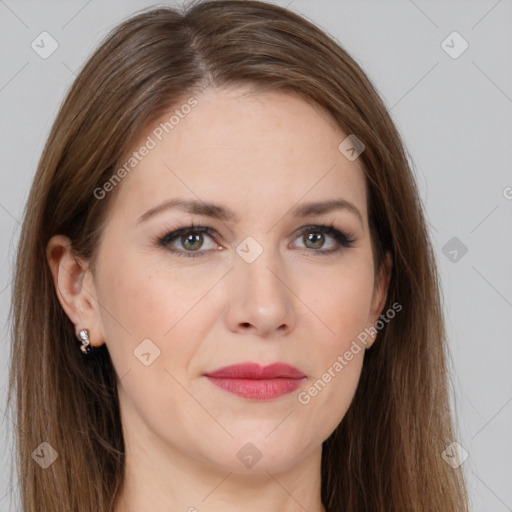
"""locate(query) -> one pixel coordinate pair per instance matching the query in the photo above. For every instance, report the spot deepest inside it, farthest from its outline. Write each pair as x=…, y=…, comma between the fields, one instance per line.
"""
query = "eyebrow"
x=223, y=213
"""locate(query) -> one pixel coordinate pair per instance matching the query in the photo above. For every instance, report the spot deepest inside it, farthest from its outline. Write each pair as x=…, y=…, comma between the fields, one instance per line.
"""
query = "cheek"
x=152, y=332
x=339, y=354
x=132, y=308
x=143, y=301
x=342, y=301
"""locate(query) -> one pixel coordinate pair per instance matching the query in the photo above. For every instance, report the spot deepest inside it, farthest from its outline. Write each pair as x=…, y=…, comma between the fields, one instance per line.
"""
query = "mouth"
x=252, y=381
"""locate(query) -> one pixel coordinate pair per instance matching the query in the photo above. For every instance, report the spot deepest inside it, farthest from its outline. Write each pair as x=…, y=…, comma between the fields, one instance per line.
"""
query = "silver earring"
x=83, y=336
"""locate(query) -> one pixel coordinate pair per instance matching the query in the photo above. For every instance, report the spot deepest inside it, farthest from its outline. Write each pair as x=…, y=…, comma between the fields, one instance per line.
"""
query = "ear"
x=380, y=294
x=75, y=288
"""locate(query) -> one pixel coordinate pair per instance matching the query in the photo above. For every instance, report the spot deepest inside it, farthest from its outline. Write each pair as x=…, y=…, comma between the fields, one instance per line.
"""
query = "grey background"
x=455, y=117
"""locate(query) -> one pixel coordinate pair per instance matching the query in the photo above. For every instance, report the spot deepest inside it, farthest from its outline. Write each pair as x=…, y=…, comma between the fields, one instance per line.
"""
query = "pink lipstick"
x=250, y=380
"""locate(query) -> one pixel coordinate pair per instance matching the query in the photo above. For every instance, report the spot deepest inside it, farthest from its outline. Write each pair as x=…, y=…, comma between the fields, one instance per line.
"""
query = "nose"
x=260, y=297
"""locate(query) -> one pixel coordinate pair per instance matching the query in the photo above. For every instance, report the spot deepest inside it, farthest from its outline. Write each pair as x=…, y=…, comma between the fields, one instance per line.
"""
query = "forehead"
x=241, y=148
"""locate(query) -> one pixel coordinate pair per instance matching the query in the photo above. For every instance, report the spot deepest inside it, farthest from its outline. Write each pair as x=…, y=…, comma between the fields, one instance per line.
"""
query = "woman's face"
x=263, y=284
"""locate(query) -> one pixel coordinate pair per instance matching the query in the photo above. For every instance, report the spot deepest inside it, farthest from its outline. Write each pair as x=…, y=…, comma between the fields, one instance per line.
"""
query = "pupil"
x=190, y=238
x=315, y=236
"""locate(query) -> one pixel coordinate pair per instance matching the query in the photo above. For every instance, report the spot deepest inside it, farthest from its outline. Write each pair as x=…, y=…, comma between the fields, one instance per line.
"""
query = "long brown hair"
x=385, y=455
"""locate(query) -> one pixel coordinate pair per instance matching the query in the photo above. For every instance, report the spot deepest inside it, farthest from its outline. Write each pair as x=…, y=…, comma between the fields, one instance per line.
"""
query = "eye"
x=191, y=239
x=314, y=238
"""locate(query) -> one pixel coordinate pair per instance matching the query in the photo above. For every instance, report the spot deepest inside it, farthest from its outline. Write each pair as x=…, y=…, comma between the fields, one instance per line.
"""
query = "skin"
x=260, y=155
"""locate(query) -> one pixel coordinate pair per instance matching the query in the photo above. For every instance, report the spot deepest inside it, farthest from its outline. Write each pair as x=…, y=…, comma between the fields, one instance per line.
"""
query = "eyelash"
x=344, y=239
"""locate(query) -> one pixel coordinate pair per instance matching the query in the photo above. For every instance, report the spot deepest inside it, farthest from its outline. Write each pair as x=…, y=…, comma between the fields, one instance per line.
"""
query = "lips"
x=255, y=371
x=250, y=380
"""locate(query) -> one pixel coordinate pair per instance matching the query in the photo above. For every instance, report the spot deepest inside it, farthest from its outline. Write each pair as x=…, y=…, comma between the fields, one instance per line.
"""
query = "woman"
x=225, y=293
